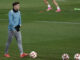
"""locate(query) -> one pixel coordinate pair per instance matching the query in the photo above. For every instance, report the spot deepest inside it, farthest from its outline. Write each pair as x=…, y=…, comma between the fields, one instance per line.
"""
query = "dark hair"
x=15, y=3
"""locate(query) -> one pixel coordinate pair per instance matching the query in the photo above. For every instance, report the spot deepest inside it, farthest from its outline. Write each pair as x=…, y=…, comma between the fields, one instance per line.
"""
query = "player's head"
x=16, y=5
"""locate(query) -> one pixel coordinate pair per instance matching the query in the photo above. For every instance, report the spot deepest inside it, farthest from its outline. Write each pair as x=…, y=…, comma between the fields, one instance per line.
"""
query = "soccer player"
x=49, y=6
x=14, y=29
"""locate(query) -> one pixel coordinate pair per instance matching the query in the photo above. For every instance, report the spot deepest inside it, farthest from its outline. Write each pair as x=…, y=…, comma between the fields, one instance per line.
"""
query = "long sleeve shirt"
x=14, y=20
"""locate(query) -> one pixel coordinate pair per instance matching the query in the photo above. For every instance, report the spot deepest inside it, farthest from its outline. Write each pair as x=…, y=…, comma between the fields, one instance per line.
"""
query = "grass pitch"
x=49, y=33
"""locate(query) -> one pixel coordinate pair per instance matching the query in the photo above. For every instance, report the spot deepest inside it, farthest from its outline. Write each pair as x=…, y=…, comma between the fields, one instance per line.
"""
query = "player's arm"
x=11, y=22
x=19, y=25
x=20, y=20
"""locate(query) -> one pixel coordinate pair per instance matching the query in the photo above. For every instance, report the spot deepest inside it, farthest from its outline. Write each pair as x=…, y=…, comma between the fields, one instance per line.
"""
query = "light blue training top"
x=14, y=20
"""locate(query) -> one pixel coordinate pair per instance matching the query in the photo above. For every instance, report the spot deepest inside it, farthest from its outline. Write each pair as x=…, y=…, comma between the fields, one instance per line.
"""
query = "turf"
x=50, y=34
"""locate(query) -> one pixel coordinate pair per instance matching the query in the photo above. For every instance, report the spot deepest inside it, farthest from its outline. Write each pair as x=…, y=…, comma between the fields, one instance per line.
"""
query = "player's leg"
x=48, y=5
x=10, y=35
x=56, y=4
x=19, y=41
x=46, y=2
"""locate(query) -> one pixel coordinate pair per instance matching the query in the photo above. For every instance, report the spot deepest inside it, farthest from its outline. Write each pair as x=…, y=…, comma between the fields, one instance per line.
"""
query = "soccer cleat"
x=23, y=55
x=58, y=10
x=49, y=9
x=7, y=55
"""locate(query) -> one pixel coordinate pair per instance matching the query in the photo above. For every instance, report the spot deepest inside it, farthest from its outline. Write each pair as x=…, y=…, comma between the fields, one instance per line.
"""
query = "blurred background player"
x=14, y=29
x=49, y=6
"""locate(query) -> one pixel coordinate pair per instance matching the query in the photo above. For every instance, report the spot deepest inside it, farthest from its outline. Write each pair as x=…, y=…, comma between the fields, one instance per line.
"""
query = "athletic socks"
x=58, y=8
x=49, y=6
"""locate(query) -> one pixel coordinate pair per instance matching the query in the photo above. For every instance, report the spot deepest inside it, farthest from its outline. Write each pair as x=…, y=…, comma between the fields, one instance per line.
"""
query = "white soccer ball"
x=77, y=56
x=33, y=54
x=65, y=57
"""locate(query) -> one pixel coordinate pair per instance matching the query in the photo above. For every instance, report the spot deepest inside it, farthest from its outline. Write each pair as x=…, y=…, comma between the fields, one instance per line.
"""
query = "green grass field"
x=50, y=34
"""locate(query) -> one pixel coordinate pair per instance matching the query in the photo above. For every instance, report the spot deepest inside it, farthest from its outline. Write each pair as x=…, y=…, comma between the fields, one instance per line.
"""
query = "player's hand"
x=17, y=28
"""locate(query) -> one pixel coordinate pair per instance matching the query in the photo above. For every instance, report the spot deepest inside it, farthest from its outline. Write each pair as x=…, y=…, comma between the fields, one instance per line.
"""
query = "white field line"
x=58, y=22
x=61, y=0
x=49, y=22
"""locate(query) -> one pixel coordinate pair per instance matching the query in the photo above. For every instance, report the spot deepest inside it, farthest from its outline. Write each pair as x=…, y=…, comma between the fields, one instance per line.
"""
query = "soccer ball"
x=77, y=56
x=33, y=54
x=65, y=57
